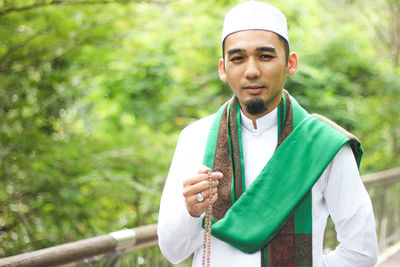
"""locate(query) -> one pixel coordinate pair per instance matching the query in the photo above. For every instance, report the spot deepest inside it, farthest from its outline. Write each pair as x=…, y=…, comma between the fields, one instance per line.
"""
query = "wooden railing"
x=138, y=246
x=106, y=249
x=384, y=190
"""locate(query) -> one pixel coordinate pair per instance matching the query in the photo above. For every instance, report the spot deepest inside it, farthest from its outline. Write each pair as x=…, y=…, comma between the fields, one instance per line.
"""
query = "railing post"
x=382, y=217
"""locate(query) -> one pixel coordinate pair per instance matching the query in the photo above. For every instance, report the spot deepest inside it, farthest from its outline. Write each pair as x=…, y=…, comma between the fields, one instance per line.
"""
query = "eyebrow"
x=235, y=50
x=266, y=49
x=258, y=49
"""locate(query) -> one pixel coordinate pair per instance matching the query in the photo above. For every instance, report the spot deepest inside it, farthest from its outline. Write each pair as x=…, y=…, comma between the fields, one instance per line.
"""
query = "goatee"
x=255, y=106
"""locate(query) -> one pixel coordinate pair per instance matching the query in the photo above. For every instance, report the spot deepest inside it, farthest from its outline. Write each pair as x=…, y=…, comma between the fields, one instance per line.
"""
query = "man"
x=277, y=172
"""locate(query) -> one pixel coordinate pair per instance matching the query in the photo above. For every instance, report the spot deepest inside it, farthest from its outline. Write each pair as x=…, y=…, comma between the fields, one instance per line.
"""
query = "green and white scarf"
x=274, y=214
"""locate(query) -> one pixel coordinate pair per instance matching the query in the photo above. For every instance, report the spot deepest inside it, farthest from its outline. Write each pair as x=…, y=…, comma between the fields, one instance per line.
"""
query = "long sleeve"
x=350, y=208
x=339, y=192
x=180, y=234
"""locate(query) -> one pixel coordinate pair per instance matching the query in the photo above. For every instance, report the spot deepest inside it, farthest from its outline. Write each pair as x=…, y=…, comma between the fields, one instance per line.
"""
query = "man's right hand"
x=199, y=183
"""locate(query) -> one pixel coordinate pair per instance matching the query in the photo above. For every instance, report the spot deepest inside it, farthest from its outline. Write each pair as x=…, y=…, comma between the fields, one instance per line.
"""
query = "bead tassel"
x=207, y=229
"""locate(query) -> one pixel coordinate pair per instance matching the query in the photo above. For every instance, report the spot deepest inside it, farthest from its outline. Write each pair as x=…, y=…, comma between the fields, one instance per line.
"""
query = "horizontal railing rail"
x=111, y=248
x=75, y=252
x=383, y=177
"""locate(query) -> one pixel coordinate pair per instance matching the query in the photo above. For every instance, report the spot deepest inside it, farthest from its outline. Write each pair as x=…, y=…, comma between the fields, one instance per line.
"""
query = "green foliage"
x=93, y=95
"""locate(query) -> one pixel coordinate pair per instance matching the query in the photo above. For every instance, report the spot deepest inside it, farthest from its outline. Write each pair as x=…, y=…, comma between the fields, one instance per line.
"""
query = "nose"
x=252, y=71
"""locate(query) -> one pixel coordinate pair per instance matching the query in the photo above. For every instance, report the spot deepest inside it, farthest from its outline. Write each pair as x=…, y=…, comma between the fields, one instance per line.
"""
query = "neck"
x=254, y=117
x=269, y=106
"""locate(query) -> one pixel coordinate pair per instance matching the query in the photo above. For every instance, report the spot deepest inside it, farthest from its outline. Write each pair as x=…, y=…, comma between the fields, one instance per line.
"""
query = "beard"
x=255, y=106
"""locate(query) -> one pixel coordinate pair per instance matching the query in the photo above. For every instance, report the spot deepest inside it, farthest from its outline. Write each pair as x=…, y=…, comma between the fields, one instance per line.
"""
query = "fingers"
x=202, y=177
x=203, y=169
x=196, y=208
x=200, y=183
x=214, y=198
x=205, y=193
x=203, y=186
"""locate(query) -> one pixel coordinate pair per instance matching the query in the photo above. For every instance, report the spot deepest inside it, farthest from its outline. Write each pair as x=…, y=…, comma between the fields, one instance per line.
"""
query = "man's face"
x=255, y=68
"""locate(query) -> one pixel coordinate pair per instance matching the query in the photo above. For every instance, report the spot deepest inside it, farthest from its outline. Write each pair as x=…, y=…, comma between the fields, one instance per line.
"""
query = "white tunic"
x=339, y=193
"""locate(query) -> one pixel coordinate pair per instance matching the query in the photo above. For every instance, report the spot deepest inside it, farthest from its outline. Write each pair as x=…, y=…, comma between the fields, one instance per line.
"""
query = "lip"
x=254, y=89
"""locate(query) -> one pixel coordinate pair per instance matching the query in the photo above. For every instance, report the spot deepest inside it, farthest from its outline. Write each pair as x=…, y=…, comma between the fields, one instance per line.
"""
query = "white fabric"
x=255, y=15
x=338, y=192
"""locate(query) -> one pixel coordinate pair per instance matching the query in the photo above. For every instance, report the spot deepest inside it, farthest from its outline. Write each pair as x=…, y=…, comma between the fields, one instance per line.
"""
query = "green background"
x=93, y=95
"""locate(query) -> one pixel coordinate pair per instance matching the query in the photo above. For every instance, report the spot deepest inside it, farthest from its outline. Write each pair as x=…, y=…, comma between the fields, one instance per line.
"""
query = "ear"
x=292, y=64
x=221, y=70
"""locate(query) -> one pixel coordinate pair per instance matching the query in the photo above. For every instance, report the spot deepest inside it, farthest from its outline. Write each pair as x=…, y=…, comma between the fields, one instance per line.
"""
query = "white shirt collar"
x=264, y=123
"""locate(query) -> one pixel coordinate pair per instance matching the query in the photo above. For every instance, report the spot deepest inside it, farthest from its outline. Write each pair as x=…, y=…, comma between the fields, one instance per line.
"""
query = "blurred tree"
x=93, y=95
x=383, y=19
x=68, y=174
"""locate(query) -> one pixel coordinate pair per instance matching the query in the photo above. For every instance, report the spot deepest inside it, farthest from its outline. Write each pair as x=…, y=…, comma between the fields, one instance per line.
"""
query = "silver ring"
x=200, y=197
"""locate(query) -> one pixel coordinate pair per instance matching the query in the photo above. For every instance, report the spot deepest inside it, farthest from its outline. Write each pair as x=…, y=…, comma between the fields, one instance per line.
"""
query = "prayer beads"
x=207, y=228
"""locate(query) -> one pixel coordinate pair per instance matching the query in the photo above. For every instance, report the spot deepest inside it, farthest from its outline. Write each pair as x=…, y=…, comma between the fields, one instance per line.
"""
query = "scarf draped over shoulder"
x=274, y=214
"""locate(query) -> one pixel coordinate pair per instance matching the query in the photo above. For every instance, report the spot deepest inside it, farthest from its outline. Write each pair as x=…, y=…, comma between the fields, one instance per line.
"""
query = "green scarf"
x=274, y=214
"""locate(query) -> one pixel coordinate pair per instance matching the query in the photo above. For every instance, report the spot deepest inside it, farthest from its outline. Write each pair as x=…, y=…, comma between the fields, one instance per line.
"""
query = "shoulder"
x=335, y=126
x=343, y=165
x=200, y=126
x=193, y=139
x=353, y=141
x=344, y=156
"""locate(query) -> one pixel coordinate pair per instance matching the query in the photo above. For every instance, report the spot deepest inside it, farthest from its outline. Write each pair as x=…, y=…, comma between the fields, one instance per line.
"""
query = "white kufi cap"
x=255, y=15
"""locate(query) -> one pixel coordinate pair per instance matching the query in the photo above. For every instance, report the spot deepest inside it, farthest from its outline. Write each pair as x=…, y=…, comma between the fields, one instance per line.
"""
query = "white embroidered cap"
x=254, y=15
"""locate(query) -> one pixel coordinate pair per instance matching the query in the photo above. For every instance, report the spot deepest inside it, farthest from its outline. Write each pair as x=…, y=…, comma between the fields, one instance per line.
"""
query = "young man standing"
x=276, y=172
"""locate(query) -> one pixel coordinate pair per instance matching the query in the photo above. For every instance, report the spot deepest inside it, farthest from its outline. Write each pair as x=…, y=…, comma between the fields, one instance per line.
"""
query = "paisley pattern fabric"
x=227, y=162
x=281, y=250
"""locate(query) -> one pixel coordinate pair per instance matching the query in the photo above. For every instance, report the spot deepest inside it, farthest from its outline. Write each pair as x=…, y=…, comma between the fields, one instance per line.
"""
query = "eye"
x=237, y=59
x=266, y=57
